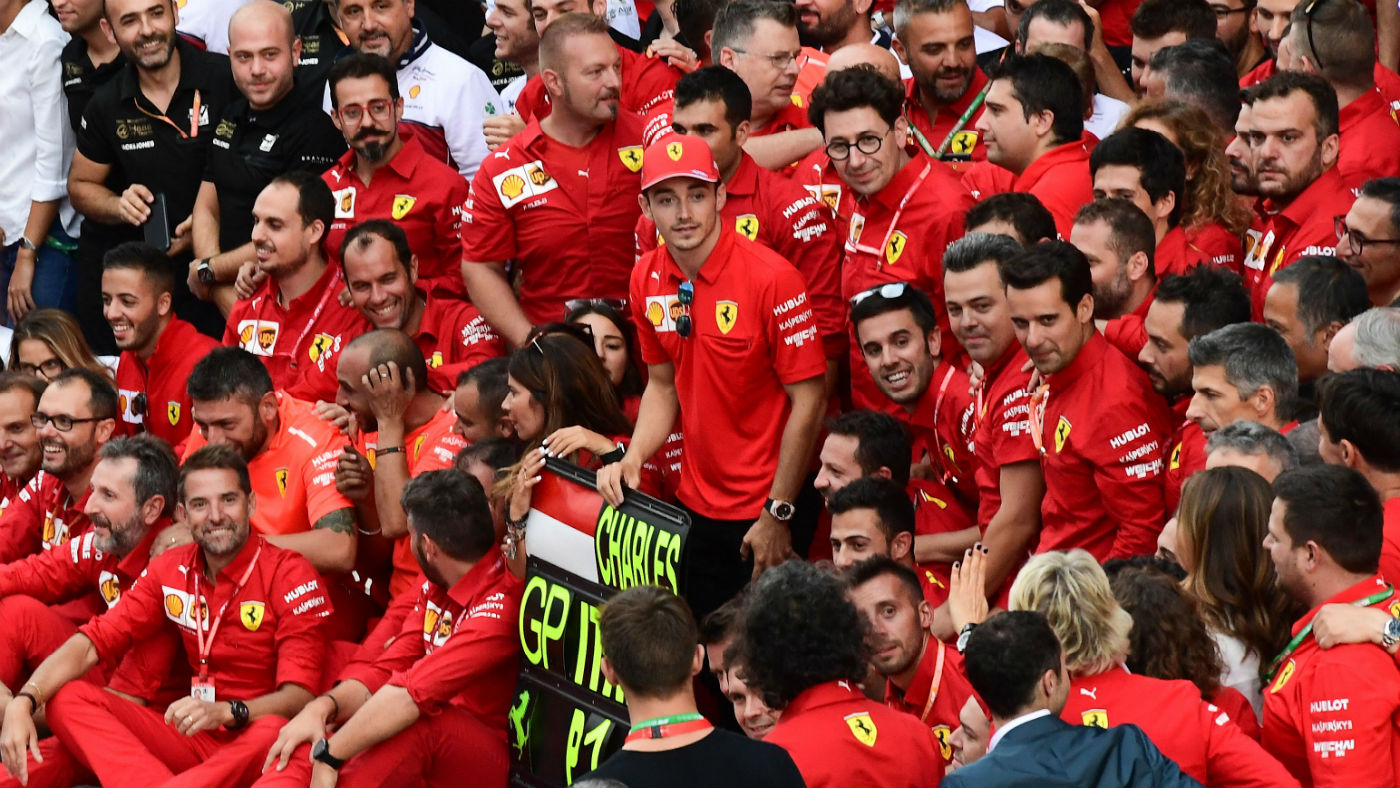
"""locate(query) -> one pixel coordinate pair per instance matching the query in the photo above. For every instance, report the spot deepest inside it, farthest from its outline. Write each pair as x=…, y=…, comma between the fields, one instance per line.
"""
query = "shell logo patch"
x=174, y=605
x=1095, y=718
x=655, y=313
x=1062, y=434
x=414, y=91
x=250, y=615
x=863, y=728
x=631, y=157
x=403, y=203
x=518, y=184
x=512, y=186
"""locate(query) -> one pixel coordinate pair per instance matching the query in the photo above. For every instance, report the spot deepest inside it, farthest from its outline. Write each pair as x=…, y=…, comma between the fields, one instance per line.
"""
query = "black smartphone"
x=157, y=227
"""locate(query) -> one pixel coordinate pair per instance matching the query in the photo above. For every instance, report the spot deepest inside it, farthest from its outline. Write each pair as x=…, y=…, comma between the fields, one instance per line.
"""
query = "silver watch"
x=25, y=243
x=1390, y=634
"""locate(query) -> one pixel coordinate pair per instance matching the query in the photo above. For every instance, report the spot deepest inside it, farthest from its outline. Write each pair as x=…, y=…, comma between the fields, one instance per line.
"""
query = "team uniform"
x=1199, y=736
x=1186, y=452
x=647, y=84
x=964, y=144
x=415, y=191
x=1369, y=141
x=454, y=337
x=1303, y=227
x=1101, y=430
x=1128, y=332
x=1390, y=545
x=940, y=425
x=299, y=342
x=151, y=392
x=840, y=739
x=44, y=516
x=566, y=215
x=1182, y=249
x=9, y=490
x=1330, y=714
x=936, y=693
x=446, y=99
x=937, y=510
x=1001, y=427
x=260, y=628
x=1060, y=179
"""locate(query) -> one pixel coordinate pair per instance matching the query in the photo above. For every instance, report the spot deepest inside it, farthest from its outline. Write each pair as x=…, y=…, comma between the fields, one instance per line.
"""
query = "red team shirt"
x=1128, y=332
x=56, y=576
x=160, y=382
x=1182, y=249
x=1103, y=431
x=1002, y=430
x=572, y=234
x=1370, y=141
x=940, y=424
x=42, y=517
x=646, y=84
x=1060, y=179
x=753, y=331
x=417, y=192
x=936, y=694
x=966, y=144
x=1390, y=544
x=1186, y=453
x=1304, y=227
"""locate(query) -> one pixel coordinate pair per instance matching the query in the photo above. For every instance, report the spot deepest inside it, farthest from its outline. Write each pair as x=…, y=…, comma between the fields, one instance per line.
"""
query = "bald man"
x=273, y=128
x=402, y=424
x=865, y=53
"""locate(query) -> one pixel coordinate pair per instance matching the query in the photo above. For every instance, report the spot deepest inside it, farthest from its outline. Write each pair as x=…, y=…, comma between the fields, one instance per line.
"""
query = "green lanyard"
x=1307, y=630
x=674, y=725
x=957, y=127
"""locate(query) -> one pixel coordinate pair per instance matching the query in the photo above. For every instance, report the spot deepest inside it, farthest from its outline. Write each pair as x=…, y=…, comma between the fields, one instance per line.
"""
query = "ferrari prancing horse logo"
x=726, y=315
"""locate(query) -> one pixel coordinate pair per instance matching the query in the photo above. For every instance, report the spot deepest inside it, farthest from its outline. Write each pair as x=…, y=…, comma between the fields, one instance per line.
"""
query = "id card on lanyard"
x=858, y=223
x=202, y=685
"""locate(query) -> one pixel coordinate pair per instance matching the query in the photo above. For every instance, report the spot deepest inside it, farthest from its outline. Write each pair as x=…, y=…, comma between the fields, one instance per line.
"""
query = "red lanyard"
x=206, y=646
x=937, y=680
x=194, y=118
x=306, y=329
x=938, y=444
x=1037, y=416
x=879, y=253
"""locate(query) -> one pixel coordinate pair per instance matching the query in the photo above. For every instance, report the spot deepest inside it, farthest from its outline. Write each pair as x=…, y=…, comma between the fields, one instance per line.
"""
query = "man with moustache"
x=20, y=452
x=256, y=654
x=935, y=38
x=76, y=416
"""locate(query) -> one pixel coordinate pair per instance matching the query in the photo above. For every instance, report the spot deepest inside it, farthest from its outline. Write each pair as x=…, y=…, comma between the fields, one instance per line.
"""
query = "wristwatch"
x=1390, y=635
x=321, y=751
x=204, y=272
x=25, y=243
x=782, y=511
x=964, y=635
x=240, y=715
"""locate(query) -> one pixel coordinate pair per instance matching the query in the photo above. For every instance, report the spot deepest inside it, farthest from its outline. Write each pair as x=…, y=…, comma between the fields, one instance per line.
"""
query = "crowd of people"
x=1028, y=375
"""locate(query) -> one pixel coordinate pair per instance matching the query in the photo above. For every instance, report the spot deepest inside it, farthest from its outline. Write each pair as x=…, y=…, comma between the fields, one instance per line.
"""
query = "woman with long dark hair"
x=615, y=342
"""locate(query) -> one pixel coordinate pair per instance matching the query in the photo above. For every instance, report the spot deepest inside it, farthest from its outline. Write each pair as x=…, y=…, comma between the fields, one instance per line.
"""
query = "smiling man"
x=20, y=452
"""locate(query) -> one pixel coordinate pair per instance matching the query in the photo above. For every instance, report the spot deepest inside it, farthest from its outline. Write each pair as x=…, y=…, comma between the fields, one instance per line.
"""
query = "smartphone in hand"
x=157, y=226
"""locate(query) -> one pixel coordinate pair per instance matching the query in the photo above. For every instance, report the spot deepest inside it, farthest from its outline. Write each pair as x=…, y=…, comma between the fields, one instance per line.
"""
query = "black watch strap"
x=321, y=751
x=240, y=714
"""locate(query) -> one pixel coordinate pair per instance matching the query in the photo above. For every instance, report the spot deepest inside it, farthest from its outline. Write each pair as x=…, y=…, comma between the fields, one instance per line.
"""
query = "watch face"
x=783, y=510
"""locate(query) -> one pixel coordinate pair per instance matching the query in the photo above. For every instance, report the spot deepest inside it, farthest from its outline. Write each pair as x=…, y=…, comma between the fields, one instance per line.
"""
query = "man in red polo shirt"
x=49, y=510
x=802, y=649
x=1099, y=427
x=20, y=452
x=158, y=348
x=387, y=174
x=1032, y=127
x=906, y=209
x=1010, y=484
x=924, y=675
x=381, y=273
x=560, y=197
x=1242, y=371
x=293, y=320
x=732, y=346
x=713, y=104
x=945, y=94
x=1294, y=141
x=1117, y=239
x=403, y=429
x=435, y=700
x=1329, y=715
x=249, y=616
x=1355, y=419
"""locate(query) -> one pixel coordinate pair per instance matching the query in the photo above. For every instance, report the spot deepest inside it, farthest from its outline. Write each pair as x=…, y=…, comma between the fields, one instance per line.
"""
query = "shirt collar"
x=1312, y=200
x=957, y=108
x=1371, y=585
x=745, y=180
x=190, y=72
x=135, y=561
x=1362, y=107
x=171, y=343
x=481, y=577
x=419, y=45
x=920, y=685
x=234, y=571
x=1089, y=357
x=713, y=266
x=826, y=694
x=1014, y=724
x=1060, y=154
x=27, y=20
x=1013, y=351
x=900, y=185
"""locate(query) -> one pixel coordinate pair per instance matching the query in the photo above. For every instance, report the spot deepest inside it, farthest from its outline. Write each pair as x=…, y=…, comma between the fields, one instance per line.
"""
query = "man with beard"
x=293, y=319
x=249, y=616
x=924, y=676
x=20, y=453
x=1294, y=140
x=270, y=129
x=1183, y=308
x=1117, y=239
x=935, y=39
x=145, y=133
x=832, y=24
x=291, y=455
x=76, y=416
x=388, y=174
x=1099, y=429
x=427, y=706
x=158, y=349
x=560, y=198
x=1234, y=28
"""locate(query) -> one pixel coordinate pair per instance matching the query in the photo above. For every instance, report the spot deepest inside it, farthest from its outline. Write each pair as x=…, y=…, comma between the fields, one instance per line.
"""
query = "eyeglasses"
x=379, y=109
x=61, y=422
x=778, y=60
x=686, y=295
x=867, y=143
x=890, y=290
x=580, y=331
x=1308, y=15
x=575, y=304
x=45, y=369
x=1223, y=12
x=1356, y=241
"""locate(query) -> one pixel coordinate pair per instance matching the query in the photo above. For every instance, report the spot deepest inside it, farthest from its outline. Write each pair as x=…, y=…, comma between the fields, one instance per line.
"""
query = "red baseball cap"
x=678, y=156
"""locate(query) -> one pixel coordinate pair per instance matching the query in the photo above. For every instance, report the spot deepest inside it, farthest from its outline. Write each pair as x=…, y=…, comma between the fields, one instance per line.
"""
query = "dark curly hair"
x=799, y=630
x=1168, y=640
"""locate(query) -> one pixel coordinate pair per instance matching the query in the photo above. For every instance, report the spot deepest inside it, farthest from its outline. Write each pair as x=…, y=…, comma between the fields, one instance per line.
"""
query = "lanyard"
x=937, y=680
x=939, y=445
x=194, y=118
x=1307, y=630
x=306, y=329
x=957, y=127
x=1037, y=416
x=894, y=222
x=206, y=646
x=661, y=727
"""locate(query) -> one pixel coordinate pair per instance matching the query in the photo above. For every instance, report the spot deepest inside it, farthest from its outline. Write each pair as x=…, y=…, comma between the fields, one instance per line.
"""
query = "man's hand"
x=335, y=415
x=500, y=128
x=21, y=294
x=675, y=54
x=323, y=776
x=200, y=290
x=18, y=738
x=967, y=595
x=308, y=727
x=613, y=478
x=768, y=541
x=354, y=479
x=390, y=391
x=134, y=204
x=174, y=535
x=192, y=715
x=182, y=240
x=250, y=278
x=1337, y=625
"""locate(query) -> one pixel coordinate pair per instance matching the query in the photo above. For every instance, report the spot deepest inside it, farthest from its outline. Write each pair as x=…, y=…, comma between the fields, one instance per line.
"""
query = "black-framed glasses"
x=1356, y=241
x=1223, y=12
x=686, y=295
x=867, y=143
x=887, y=290
x=1308, y=16
x=574, y=304
x=62, y=422
x=47, y=370
x=580, y=331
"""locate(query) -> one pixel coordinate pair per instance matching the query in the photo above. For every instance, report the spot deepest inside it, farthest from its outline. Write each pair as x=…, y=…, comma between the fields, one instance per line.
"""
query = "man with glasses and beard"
x=76, y=416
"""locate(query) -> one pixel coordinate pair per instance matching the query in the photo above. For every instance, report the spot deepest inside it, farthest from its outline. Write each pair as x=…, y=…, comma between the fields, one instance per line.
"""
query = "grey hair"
x=157, y=470
x=1254, y=439
x=905, y=10
x=735, y=23
x=1377, y=341
x=974, y=249
x=1254, y=356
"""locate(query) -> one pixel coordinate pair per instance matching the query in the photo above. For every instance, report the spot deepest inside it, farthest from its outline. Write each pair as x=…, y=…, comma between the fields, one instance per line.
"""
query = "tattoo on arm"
x=342, y=521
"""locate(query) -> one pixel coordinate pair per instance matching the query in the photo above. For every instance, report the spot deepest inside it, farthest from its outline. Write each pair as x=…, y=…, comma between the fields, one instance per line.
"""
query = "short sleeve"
x=93, y=141
x=301, y=641
x=793, y=335
x=488, y=232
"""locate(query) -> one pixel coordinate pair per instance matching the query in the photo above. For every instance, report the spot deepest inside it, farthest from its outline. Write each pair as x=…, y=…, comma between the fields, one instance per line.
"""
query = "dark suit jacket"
x=1049, y=752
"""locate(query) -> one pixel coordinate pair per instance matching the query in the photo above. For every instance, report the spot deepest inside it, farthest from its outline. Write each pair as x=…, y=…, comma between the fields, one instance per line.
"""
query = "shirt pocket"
x=726, y=350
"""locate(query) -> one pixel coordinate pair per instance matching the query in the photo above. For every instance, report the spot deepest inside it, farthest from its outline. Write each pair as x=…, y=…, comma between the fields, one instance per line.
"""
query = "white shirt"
x=39, y=142
x=207, y=20
x=1108, y=112
x=1019, y=721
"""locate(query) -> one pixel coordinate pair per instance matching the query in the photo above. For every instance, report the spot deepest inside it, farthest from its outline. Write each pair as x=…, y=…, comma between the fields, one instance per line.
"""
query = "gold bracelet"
x=38, y=691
